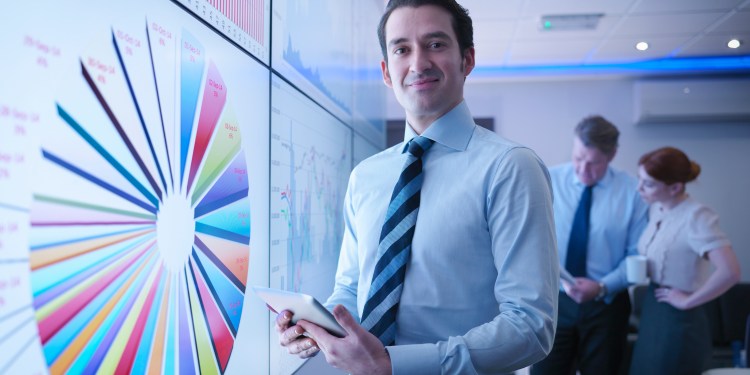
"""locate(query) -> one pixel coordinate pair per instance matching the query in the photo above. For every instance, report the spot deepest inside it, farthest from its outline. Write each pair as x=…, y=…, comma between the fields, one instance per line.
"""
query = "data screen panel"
x=329, y=50
x=310, y=165
x=133, y=190
x=313, y=49
x=245, y=22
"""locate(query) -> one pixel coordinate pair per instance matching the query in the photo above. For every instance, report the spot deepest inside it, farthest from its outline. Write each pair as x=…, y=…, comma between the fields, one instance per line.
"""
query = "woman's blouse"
x=676, y=242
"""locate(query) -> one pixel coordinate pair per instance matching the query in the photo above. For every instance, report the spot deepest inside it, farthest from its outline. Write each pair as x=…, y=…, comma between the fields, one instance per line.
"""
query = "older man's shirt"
x=617, y=219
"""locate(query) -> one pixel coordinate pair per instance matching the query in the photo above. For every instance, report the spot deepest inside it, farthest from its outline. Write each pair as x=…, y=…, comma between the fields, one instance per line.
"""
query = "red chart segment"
x=225, y=149
x=222, y=337
x=125, y=364
x=134, y=270
x=214, y=97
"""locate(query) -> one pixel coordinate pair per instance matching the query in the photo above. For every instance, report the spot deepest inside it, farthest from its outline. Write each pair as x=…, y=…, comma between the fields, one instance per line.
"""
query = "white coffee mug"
x=635, y=267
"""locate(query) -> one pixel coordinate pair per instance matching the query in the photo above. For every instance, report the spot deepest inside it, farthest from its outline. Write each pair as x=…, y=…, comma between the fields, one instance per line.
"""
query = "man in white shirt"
x=594, y=309
x=479, y=291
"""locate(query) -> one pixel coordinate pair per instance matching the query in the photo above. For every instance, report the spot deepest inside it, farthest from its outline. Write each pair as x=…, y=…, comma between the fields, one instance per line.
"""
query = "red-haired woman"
x=683, y=243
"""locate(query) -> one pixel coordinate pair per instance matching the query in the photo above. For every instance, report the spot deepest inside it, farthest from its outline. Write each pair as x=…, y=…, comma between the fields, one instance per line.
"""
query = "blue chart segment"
x=140, y=263
x=310, y=164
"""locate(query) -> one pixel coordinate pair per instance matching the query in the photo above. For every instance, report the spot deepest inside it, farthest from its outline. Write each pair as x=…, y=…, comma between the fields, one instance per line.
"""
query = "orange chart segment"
x=134, y=269
x=231, y=254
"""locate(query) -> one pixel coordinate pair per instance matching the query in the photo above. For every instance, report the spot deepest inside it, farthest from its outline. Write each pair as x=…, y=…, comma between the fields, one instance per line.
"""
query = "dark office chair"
x=735, y=308
x=740, y=365
x=729, y=316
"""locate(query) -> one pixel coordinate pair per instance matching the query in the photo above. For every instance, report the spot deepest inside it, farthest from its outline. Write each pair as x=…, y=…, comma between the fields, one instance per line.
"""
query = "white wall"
x=542, y=115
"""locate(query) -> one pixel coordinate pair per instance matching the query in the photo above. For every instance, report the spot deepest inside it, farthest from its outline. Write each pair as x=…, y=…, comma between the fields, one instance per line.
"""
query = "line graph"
x=322, y=70
x=310, y=162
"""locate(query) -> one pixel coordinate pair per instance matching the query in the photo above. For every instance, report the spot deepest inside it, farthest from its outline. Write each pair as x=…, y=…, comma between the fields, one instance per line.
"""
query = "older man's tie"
x=575, y=262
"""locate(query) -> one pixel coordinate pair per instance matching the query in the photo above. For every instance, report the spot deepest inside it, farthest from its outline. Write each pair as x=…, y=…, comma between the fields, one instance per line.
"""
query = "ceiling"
x=691, y=33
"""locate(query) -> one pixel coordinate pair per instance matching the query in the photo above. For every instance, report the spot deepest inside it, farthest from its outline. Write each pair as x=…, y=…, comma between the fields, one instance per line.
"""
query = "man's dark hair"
x=461, y=21
x=596, y=131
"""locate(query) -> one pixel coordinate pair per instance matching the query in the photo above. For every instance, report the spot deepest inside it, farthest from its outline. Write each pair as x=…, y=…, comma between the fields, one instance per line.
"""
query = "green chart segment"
x=140, y=263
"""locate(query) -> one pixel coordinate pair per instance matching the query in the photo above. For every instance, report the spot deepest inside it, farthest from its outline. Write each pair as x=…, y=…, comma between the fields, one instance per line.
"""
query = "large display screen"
x=153, y=167
x=136, y=193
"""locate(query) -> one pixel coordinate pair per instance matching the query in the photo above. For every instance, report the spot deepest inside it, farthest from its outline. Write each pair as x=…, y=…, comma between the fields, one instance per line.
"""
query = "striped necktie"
x=575, y=261
x=379, y=315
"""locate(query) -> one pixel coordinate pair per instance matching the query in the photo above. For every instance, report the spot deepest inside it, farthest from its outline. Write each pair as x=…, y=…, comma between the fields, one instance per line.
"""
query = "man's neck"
x=420, y=123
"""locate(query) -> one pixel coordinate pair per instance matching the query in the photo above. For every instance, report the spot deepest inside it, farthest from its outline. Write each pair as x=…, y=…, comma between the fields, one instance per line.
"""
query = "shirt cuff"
x=613, y=287
x=414, y=359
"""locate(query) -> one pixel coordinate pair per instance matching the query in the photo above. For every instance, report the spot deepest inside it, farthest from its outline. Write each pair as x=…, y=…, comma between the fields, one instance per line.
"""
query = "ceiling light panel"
x=554, y=22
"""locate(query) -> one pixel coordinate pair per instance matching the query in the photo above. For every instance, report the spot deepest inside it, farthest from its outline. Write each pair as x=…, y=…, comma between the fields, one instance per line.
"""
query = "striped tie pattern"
x=379, y=315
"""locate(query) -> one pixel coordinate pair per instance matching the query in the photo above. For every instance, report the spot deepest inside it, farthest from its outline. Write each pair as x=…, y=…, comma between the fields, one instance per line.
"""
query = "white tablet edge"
x=302, y=306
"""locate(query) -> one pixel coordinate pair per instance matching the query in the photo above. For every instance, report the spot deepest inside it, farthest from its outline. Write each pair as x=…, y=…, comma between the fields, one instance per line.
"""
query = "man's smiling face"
x=425, y=67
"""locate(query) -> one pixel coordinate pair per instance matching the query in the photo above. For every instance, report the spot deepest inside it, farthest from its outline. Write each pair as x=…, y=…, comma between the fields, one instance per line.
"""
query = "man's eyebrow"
x=432, y=35
x=396, y=41
x=436, y=34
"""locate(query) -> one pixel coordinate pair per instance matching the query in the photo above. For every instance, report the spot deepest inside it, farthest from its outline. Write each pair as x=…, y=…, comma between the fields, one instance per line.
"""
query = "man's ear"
x=386, y=74
x=468, y=61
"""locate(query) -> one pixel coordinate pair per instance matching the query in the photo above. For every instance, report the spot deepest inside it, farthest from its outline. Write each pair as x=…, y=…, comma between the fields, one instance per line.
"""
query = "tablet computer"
x=302, y=307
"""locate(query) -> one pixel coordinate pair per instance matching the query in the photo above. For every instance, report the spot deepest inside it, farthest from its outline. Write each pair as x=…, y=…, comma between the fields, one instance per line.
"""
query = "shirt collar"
x=453, y=129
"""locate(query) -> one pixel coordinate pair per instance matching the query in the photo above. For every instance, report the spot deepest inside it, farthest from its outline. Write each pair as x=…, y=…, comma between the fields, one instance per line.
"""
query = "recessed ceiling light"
x=734, y=43
x=641, y=46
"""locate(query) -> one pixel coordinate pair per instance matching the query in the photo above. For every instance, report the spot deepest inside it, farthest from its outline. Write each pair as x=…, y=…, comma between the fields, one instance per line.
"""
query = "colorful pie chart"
x=140, y=220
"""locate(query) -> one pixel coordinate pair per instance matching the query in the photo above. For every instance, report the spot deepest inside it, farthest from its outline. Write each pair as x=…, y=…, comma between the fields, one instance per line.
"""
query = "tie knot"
x=419, y=145
x=587, y=190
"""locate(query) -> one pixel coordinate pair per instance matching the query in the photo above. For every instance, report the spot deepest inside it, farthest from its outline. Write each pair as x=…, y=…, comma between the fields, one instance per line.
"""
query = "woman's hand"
x=726, y=273
x=674, y=297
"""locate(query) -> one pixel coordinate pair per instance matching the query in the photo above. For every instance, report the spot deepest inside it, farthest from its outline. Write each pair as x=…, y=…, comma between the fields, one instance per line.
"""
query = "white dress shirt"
x=480, y=293
x=617, y=219
x=676, y=242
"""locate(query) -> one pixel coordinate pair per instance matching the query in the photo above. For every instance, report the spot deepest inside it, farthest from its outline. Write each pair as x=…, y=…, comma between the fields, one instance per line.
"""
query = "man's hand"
x=360, y=352
x=292, y=337
x=583, y=290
